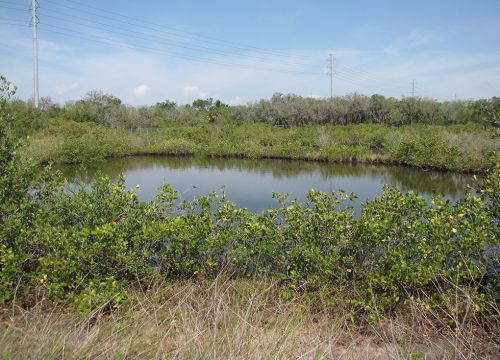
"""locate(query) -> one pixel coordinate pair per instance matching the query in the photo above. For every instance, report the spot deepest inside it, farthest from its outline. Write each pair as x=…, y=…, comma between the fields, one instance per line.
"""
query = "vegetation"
x=281, y=110
x=239, y=319
x=91, y=248
x=459, y=136
x=457, y=147
x=293, y=110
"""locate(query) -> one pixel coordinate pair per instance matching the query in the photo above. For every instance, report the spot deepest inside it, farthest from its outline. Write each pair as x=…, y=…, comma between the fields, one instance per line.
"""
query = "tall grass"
x=242, y=319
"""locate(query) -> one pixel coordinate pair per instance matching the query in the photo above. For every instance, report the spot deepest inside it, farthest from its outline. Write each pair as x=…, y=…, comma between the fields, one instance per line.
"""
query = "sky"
x=240, y=51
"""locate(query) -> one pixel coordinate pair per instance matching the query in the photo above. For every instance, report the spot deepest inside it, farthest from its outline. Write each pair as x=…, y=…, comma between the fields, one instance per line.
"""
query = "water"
x=250, y=183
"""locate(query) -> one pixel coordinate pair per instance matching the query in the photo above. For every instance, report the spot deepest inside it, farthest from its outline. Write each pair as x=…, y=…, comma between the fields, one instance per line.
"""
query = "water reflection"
x=250, y=183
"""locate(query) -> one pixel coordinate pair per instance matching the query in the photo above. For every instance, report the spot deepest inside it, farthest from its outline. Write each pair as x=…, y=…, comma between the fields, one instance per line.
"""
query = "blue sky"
x=148, y=51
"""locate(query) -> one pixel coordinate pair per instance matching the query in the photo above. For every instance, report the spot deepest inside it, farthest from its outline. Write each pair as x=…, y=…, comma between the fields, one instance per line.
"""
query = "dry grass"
x=233, y=319
x=476, y=147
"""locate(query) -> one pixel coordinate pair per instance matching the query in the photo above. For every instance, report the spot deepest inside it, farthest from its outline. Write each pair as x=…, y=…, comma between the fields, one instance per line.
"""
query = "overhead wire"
x=218, y=62
x=343, y=72
x=164, y=40
x=13, y=24
x=13, y=8
x=370, y=76
x=173, y=31
x=108, y=41
x=348, y=74
x=358, y=83
x=373, y=80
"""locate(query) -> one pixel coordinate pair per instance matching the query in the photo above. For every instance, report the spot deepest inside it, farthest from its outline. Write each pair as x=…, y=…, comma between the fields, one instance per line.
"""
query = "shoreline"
x=450, y=149
x=378, y=160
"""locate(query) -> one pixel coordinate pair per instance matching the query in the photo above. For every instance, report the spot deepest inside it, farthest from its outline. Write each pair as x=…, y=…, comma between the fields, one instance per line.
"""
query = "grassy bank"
x=456, y=147
x=241, y=319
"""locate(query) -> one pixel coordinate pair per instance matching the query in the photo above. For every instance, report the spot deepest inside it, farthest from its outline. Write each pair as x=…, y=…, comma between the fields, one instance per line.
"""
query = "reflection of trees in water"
x=438, y=183
x=405, y=178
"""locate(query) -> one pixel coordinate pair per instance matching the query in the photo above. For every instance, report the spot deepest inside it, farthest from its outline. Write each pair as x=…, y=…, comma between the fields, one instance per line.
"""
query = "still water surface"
x=250, y=183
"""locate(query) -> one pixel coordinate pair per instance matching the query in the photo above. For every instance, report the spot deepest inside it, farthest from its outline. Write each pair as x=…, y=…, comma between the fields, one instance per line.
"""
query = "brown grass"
x=235, y=319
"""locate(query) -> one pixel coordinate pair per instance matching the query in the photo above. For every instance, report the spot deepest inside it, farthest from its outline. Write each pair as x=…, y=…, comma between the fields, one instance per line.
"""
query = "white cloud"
x=236, y=101
x=68, y=73
x=62, y=89
x=141, y=90
x=195, y=91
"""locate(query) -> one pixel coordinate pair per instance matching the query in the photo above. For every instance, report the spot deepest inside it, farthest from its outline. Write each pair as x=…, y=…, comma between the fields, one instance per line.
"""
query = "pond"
x=250, y=183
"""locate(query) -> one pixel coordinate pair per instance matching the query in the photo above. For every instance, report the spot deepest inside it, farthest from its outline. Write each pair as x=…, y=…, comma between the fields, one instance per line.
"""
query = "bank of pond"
x=463, y=148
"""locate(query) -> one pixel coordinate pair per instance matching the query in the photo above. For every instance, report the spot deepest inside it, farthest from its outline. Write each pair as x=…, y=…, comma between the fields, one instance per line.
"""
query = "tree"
x=167, y=104
x=380, y=109
x=99, y=107
x=216, y=111
x=99, y=97
x=203, y=104
x=488, y=111
x=7, y=144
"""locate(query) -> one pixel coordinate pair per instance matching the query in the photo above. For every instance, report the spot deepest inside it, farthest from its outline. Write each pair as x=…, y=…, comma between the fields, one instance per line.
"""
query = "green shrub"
x=427, y=152
x=91, y=146
x=174, y=147
x=75, y=242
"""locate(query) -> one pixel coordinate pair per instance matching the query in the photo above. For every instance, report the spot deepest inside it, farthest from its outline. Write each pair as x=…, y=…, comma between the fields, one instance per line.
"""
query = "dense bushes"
x=457, y=147
x=292, y=110
x=281, y=110
x=459, y=135
x=91, y=146
x=429, y=151
x=89, y=245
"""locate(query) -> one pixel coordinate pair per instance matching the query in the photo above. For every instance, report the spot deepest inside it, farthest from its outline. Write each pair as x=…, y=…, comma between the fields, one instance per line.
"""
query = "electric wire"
x=177, y=32
x=108, y=41
x=343, y=72
x=132, y=33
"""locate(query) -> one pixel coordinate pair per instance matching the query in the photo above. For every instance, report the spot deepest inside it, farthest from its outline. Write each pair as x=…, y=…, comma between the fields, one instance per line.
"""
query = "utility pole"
x=34, y=23
x=331, y=76
x=412, y=101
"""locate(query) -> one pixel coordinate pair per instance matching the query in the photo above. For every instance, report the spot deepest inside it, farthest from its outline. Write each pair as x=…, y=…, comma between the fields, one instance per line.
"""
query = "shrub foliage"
x=89, y=245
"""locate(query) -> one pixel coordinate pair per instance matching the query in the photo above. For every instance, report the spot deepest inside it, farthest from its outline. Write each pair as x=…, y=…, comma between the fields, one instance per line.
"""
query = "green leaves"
x=87, y=245
x=77, y=244
x=428, y=152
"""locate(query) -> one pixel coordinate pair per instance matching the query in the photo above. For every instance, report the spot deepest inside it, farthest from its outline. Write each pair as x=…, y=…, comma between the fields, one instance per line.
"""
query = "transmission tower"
x=34, y=23
x=332, y=59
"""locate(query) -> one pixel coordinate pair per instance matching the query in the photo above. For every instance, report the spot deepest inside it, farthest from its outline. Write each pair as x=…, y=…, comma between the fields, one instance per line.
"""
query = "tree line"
x=293, y=110
x=283, y=110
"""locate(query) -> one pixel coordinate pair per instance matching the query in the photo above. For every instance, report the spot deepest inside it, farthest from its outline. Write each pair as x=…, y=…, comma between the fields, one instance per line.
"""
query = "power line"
x=107, y=41
x=371, y=76
x=224, y=48
x=14, y=8
x=347, y=75
x=357, y=81
x=15, y=20
x=14, y=24
x=170, y=30
x=369, y=79
x=133, y=33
